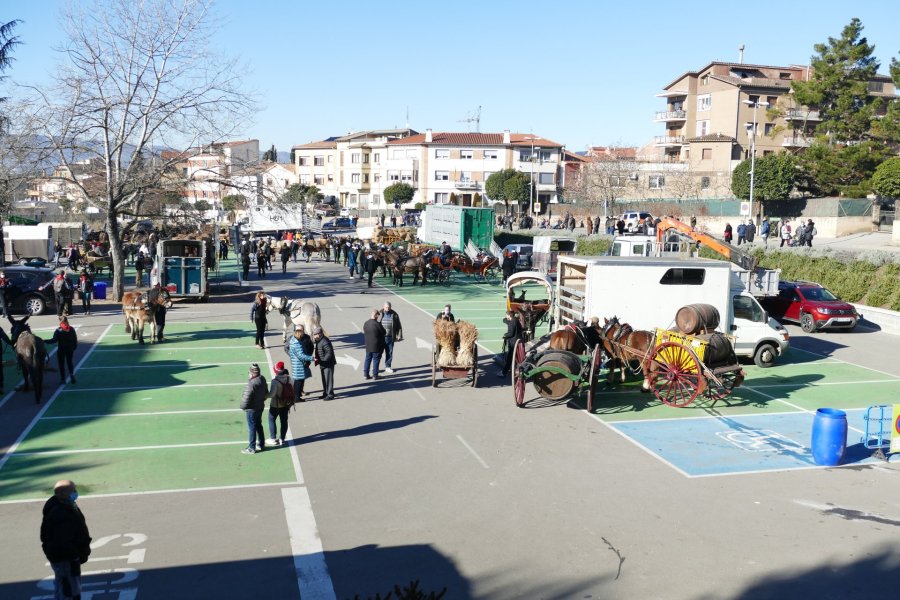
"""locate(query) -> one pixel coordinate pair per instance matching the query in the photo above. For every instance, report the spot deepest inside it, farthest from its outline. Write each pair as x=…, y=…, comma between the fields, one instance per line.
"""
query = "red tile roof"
x=474, y=139
x=713, y=137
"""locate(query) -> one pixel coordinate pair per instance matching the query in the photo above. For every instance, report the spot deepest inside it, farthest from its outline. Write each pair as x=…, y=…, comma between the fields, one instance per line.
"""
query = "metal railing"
x=670, y=115
x=668, y=140
x=799, y=114
x=796, y=141
x=467, y=185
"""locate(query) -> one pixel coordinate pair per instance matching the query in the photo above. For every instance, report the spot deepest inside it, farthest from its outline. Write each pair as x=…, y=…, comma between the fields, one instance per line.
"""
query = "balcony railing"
x=467, y=185
x=799, y=114
x=671, y=115
x=669, y=140
x=796, y=141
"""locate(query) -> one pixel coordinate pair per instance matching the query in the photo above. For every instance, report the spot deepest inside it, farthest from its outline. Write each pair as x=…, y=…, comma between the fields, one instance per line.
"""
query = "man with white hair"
x=393, y=331
x=65, y=539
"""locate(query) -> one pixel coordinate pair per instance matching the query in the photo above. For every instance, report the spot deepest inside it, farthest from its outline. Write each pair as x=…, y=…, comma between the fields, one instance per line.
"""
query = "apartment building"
x=209, y=167
x=710, y=114
x=261, y=183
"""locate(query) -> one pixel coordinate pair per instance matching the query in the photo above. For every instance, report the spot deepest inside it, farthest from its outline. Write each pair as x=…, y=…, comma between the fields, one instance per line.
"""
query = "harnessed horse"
x=295, y=312
x=624, y=344
x=140, y=307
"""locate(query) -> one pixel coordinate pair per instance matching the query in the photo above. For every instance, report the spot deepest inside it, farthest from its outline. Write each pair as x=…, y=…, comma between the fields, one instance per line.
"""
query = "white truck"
x=647, y=292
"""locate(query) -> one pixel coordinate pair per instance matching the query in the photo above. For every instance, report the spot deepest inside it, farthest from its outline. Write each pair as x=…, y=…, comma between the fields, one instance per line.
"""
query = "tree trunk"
x=118, y=257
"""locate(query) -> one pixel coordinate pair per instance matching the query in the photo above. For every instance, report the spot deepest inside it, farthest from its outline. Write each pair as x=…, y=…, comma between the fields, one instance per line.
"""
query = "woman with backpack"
x=281, y=393
x=301, y=350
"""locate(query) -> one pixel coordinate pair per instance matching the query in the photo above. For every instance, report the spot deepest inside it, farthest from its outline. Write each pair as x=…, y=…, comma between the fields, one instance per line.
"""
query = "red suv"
x=811, y=305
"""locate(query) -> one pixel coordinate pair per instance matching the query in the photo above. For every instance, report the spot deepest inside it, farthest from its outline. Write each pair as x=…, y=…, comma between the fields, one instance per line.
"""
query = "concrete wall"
x=888, y=321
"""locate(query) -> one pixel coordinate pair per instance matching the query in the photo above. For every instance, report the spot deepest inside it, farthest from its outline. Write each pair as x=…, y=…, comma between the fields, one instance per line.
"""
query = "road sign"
x=745, y=209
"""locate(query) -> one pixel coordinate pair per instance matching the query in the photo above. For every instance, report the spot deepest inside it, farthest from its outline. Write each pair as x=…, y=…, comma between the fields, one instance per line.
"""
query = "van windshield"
x=746, y=307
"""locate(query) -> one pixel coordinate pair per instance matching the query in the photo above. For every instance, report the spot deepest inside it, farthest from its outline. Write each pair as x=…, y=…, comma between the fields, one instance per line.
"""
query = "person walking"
x=258, y=316
x=65, y=539
x=371, y=266
x=374, y=334
x=281, y=395
x=86, y=289
x=262, y=260
x=785, y=232
x=324, y=357
x=67, y=341
x=301, y=352
x=245, y=266
x=360, y=257
x=811, y=232
x=742, y=234
x=764, y=229
x=350, y=257
x=58, y=283
x=139, y=270
x=285, y=254
x=513, y=334
x=393, y=331
x=4, y=285
x=751, y=231
x=445, y=315
x=382, y=220
x=338, y=246
x=253, y=403
x=728, y=234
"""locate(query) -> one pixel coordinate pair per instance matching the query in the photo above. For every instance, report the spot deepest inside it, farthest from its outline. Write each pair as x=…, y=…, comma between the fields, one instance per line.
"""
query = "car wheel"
x=35, y=305
x=807, y=323
x=765, y=356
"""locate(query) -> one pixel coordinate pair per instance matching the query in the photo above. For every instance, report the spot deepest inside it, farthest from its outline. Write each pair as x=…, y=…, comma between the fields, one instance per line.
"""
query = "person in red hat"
x=67, y=340
x=281, y=393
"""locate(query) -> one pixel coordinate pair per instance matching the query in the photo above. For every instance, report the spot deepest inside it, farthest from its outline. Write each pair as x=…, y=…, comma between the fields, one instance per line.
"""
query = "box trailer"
x=457, y=225
x=547, y=249
x=68, y=233
x=647, y=293
x=21, y=242
x=182, y=267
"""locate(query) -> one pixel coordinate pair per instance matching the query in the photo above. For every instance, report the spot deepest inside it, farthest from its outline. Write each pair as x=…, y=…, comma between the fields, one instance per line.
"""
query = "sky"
x=581, y=73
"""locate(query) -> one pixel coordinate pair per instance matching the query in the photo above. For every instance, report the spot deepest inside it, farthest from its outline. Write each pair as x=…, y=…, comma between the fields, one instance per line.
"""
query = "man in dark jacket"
x=509, y=263
x=371, y=266
x=324, y=357
x=445, y=315
x=65, y=539
x=393, y=331
x=512, y=335
x=67, y=341
x=374, y=334
x=253, y=403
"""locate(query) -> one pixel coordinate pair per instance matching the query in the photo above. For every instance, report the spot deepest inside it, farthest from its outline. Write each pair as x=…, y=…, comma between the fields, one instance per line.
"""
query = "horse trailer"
x=182, y=267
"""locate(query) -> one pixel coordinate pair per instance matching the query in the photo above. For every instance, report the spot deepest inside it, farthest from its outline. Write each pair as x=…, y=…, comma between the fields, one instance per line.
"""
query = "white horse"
x=295, y=312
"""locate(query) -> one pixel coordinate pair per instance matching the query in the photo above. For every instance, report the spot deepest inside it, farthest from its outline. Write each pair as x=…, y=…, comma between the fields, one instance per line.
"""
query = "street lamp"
x=755, y=105
x=532, y=193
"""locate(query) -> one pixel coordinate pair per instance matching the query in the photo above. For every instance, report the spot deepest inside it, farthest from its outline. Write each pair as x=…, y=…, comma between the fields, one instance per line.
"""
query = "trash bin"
x=829, y=436
x=100, y=290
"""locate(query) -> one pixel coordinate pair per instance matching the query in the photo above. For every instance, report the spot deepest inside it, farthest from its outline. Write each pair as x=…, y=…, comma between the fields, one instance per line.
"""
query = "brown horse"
x=413, y=264
x=575, y=337
x=623, y=344
x=31, y=354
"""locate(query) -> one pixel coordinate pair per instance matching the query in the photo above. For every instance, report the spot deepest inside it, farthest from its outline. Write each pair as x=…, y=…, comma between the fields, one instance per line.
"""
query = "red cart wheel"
x=727, y=382
x=592, y=380
x=518, y=380
x=674, y=374
x=475, y=365
x=434, y=354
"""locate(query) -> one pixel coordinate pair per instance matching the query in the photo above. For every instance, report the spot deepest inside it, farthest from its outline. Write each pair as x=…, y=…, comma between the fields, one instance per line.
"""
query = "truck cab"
x=647, y=245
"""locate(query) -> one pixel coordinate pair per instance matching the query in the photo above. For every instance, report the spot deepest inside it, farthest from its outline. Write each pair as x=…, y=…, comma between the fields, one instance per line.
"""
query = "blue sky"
x=579, y=72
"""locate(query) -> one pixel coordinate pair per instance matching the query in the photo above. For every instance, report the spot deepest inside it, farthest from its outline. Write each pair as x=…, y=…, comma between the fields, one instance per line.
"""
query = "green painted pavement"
x=87, y=433
x=166, y=352
x=164, y=374
x=33, y=476
x=75, y=402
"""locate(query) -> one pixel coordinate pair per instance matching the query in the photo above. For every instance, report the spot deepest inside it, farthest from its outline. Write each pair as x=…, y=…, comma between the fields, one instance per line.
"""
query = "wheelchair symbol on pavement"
x=760, y=440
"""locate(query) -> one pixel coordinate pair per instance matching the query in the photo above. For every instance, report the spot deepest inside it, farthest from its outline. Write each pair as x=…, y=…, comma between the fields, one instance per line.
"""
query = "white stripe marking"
x=313, y=578
x=472, y=451
x=295, y=460
x=846, y=362
x=339, y=308
x=165, y=364
x=144, y=414
x=151, y=492
x=150, y=387
x=169, y=348
x=12, y=449
x=416, y=390
x=125, y=448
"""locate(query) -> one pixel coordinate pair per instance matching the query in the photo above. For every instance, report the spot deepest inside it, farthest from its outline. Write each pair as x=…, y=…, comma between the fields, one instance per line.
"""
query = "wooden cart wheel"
x=435, y=348
x=592, y=380
x=518, y=380
x=475, y=365
x=674, y=374
x=728, y=381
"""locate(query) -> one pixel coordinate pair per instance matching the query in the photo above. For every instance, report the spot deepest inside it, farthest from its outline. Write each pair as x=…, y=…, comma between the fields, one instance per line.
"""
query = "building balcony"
x=796, y=141
x=666, y=116
x=668, y=140
x=799, y=114
x=467, y=185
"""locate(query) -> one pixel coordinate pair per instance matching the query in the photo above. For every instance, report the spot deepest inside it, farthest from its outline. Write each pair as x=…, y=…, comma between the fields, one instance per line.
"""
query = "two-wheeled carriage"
x=455, y=352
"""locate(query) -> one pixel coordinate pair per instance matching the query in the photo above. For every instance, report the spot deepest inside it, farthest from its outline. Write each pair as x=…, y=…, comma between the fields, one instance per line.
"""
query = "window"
x=706, y=154
x=876, y=86
x=366, y=158
x=784, y=76
x=490, y=154
x=745, y=307
x=544, y=155
x=442, y=175
x=365, y=178
x=331, y=179
x=683, y=277
x=302, y=161
x=442, y=153
x=376, y=199
x=704, y=183
x=377, y=158
x=318, y=180
x=704, y=80
x=356, y=158
x=465, y=176
x=768, y=152
x=545, y=178
x=486, y=174
x=440, y=197
x=406, y=176
x=702, y=128
x=617, y=181
x=319, y=161
x=393, y=175
x=377, y=177
x=330, y=159
x=466, y=154
x=772, y=101
x=769, y=128
x=304, y=179
x=354, y=178
x=704, y=102
x=753, y=98
x=657, y=182
x=398, y=154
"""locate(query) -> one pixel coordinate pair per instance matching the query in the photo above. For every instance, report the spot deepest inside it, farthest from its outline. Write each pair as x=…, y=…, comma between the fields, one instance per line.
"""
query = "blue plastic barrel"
x=100, y=290
x=829, y=436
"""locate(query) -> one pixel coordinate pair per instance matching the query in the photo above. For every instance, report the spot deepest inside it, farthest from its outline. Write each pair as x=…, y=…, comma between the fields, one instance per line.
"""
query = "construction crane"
x=474, y=117
x=732, y=253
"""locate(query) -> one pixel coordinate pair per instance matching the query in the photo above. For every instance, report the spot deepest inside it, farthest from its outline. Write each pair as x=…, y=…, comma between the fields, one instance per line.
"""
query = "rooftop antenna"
x=407, y=116
x=741, y=54
x=474, y=117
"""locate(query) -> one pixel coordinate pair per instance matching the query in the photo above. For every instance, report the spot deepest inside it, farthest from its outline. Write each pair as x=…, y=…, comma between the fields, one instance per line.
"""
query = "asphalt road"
x=455, y=487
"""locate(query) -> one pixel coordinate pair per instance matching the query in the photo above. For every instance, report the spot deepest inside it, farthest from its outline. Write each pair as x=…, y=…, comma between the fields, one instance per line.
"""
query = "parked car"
x=811, y=305
x=338, y=224
x=23, y=293
x=525, y=251
x=325, y=210
x=633, y=219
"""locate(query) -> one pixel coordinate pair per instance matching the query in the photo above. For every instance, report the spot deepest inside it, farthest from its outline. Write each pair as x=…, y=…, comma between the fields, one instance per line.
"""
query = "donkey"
x=31, y=355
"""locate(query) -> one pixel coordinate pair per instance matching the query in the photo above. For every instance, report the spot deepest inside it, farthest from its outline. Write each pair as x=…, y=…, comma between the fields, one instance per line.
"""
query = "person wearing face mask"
x=445, y=315
x=65, y=539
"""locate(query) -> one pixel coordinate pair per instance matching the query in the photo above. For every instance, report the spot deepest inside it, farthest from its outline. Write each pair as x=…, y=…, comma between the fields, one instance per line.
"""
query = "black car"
x=24, y=294
x=338, y=224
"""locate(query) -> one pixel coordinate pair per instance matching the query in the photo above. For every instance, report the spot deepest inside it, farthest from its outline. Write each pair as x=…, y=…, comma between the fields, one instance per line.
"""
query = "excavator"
x=740, y=258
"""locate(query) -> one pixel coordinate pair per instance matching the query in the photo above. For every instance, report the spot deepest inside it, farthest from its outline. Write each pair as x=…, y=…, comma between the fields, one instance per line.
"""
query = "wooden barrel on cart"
x=696, y=318
x=552, y=385
x=718, y=351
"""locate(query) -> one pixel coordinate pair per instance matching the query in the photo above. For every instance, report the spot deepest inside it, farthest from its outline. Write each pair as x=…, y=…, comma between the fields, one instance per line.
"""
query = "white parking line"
x=144, y=414
x=164, y=364
x=150, y=387
x=472, y=451
x=313, y=578
x=125, y=448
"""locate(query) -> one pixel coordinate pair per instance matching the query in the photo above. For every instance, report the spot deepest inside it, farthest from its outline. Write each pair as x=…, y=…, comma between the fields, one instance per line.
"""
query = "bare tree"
x=608, y=176
x=136, y=78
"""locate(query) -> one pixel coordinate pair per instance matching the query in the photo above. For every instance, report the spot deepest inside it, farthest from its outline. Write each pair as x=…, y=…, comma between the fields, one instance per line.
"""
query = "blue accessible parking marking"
x=726, y=445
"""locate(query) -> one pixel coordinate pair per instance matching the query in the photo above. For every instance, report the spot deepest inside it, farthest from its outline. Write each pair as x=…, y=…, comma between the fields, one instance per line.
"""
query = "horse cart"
x=455, y=352
x=535, y=310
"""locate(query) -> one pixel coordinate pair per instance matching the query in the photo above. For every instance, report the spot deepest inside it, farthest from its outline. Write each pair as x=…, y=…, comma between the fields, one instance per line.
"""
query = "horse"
x=414, y=264
x=295, y=312
x=139, y=307
x=623, y=344
x=31, y=355
x=577, y=337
